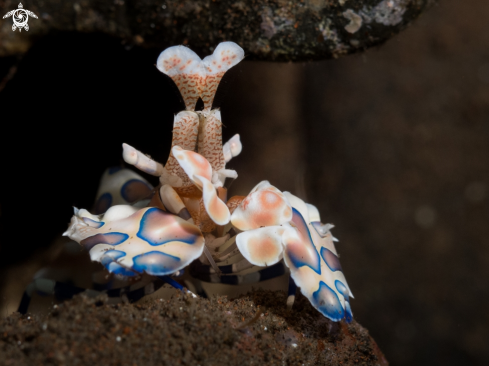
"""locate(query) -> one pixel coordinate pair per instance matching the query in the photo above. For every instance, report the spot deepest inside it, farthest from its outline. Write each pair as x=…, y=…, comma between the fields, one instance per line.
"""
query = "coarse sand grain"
x=256, y=329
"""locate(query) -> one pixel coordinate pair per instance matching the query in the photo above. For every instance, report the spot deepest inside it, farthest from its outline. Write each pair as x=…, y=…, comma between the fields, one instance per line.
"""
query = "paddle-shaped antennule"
x=263, y=246
x=186, y=69
x=225, y=56
x=264, y=206
x=215, y=207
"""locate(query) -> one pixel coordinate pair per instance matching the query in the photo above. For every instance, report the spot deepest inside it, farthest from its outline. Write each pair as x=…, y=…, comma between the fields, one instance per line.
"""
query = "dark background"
x=392, y=146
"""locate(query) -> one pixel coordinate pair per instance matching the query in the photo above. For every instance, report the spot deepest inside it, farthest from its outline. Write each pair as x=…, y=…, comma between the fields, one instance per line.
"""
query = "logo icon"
x=20, y=17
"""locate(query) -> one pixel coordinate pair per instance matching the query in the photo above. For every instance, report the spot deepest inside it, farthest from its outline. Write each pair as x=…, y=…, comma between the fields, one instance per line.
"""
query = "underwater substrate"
x=256, y=329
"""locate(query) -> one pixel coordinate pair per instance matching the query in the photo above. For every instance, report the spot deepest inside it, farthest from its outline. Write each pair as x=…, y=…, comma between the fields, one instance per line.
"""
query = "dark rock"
x=273, y=30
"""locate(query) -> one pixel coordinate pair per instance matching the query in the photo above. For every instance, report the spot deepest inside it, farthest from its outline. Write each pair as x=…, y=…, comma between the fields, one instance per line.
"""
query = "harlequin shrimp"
x=188, y=223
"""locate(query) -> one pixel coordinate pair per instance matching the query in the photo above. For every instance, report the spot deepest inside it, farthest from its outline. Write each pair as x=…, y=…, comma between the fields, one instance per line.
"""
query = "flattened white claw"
x=215, y=207
x=316, y=269
x=150, y=240
x=192, y=163
x=264, y=206
x=263, y=246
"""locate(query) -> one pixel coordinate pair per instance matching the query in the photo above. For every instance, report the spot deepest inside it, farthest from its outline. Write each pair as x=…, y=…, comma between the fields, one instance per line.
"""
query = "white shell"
x=263, y=246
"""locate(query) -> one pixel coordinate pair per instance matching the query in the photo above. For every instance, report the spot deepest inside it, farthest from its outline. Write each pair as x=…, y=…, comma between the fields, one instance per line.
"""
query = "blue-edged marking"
x=135, y=189
x=299, y=261
x=340, y=286
x=342, y=289
x=103, y=203
x=331, y=259
x=327, y=302
x=109, y=261
x=109, y=238
x=155, y=214
x=156, y=263
x=111, y=256
x=93, y=223
x=117, y=269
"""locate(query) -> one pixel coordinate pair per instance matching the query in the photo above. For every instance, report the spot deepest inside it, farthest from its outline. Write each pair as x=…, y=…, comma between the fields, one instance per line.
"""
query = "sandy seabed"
x=256, y=329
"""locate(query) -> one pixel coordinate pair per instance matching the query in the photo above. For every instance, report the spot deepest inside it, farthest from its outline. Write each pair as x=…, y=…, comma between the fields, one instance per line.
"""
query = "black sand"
x=253, y=330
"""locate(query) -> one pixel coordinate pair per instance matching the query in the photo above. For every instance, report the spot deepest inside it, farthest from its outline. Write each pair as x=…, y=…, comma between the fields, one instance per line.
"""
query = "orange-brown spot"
x=269, y=200
x=264, y=218
x=262, y=249
x=216, y=209
x=246, y=202
x=199, y=164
